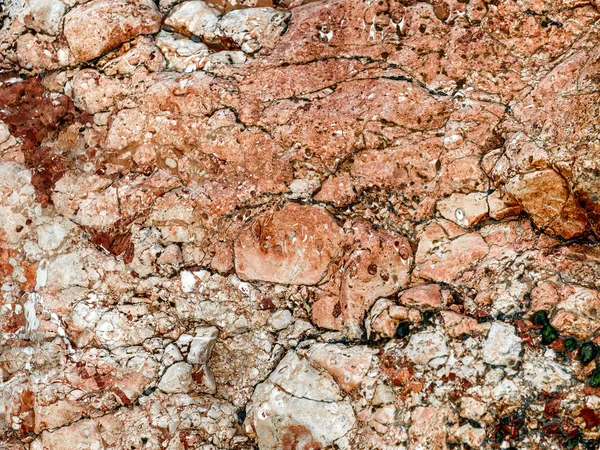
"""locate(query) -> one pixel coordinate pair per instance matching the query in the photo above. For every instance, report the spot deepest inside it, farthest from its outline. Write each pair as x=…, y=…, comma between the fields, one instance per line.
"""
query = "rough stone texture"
x=343, y=224
x=101, y=25
x=292, y=246
x=502, y=346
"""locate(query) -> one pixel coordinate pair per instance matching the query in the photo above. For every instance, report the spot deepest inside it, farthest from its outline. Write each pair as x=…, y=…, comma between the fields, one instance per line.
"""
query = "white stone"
x=546, y=375
x=470, y=435
x=46, y=15
x=300, y=379
x=281, y=319
x=16, y=195
x=326, y=422
x=428, y=347
x=188, y=281
x=251, y=26
x=348, y=365
x=296, y=394
x=202, y=344
x=115, y=330
x=176, y=379
x=171, y=355
x=84, y=316
x=4, y=132
x=52, y=234
x=507, y=391
x=471, y=408
x=67, y=270
x=509, y=296
x=502, y=346
x=182, y=54
x=194, y=18
x=383, y=394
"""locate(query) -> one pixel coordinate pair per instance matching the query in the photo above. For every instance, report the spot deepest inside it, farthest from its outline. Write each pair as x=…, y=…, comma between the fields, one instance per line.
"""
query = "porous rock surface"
x=295, y=224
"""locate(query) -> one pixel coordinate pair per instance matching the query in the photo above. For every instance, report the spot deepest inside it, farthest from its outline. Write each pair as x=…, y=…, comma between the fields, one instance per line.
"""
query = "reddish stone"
x=294, y=245
x=91, y=28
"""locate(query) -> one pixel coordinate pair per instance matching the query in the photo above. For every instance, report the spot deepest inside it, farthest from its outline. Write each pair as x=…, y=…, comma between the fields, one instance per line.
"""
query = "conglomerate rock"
x=296, y=224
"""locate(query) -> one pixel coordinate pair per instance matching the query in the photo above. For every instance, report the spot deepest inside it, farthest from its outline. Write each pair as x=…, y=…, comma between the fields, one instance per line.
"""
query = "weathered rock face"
x=102, y=25
x=299, y=225
x=294, y=415
x=295, y=245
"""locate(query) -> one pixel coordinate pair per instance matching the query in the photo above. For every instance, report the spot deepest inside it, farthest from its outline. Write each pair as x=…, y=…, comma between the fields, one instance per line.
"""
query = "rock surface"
x=299, y=225
x=100, y=25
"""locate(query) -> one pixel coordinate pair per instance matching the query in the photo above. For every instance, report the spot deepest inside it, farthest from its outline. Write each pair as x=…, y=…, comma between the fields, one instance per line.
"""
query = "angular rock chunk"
x=502, y=346
x=194, y=18
x=278, y=416
x=578, y=313
x=546, y=196
x=299, y=378
x=292, y=246
x=45, y=16
x=502, y=205
x=253, y=28
x=465, y=210
x=470, y=435
x=202, y=344
x=182, y=54
x=442, y=256
x=426, y=296
x=102, y=25
x=348, y=365
x=546, y=375
x=177, y=378
x=428, y=347
x=378, y=267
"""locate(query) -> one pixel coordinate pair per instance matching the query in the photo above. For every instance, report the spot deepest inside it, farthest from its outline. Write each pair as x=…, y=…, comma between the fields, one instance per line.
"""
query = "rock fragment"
x=177, y=378
x=195, y=18
x=45, y=16
x=294, y=245
x=428, y=348
x=547, y=197
x=298, y=413
x=98, y=26
x=502, y=346
x=465, y=210
x=202, y=344
x=440, y=258
x=348, y=365
x=253, y=28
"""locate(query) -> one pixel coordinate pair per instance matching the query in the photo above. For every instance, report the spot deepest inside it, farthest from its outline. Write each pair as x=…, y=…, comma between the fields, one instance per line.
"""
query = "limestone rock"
x=98, y=26
x=279, y=416
x=294, y=245
x=546, y=196
x=502, y=346
x=439, y=258
x=202, y=344
x=299, y=224
x=465, y=210
x=45, y=16
x=428, y=347
x=349, y=366
x=253, y=28
x=177, y=378
x=194, y=17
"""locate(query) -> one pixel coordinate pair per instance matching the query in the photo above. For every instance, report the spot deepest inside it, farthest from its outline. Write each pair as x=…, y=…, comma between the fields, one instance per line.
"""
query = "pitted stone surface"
x=292, y=246
x=289, y=224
